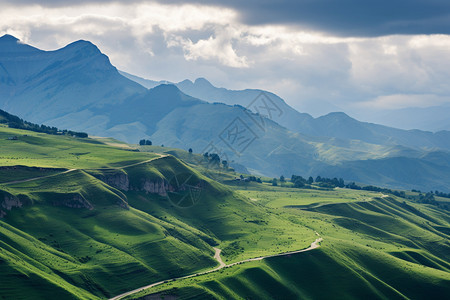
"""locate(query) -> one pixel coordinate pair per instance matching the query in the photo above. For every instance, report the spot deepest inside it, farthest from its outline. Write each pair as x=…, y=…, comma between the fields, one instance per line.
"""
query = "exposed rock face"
x=73, y=201
x=8, y=203
x=119, y=181
x=156, y=187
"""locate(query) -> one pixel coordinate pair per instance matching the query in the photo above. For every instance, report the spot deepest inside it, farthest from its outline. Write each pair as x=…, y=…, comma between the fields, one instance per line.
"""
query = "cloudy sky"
x=320, y=56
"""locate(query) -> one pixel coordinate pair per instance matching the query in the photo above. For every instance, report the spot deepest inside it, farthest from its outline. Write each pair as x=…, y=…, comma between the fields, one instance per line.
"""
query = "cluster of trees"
x=437, y=193
x=426, y=198
x=73, y=133
x=300, y=182
x=254, y=178
x=330, y=182
x=250, y=178
x=214, y=159
x=18, y=123
x=145, y=142
x=372, y=188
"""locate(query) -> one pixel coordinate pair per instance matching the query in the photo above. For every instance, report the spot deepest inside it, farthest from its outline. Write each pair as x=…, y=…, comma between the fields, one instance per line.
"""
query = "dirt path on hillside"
x=218, y=258
x=36, y=178
x=222, y=265
x=144, y=162
x=71, y=170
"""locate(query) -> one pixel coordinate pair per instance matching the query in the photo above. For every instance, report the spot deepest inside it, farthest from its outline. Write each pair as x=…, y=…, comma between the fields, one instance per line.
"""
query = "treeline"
x=300, y=182
x=425, y=198
x=372, y=188
x=436, y=193
x=16, y=122
x=144, y=142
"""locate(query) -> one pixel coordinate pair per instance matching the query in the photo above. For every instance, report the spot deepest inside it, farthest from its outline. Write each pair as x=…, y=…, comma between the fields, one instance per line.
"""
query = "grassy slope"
x=109, y=246
x=43, y=150
x=373, y=247
x=379, y=249
x=325, y=273
x=92, y=238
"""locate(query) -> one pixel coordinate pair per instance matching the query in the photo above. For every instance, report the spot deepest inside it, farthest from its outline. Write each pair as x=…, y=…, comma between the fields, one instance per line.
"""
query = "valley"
x=94, y=97
x=114, y=186
x=104, y=222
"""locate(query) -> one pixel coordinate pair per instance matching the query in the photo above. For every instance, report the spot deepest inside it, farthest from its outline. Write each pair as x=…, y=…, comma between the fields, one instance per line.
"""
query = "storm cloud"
x=358, y=56
x=355, y=18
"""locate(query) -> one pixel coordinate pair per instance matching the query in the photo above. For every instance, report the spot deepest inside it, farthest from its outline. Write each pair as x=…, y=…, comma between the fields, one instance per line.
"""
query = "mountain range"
x=77, y=87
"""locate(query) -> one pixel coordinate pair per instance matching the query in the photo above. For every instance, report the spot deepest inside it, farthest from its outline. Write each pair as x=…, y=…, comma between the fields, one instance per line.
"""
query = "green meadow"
x=49, y=151
x=88, y=219
x=382, y=249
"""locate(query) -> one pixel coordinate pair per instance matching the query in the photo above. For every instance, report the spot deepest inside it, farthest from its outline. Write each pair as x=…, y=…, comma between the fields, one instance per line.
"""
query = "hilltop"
x=81, y=219
x=77, y=87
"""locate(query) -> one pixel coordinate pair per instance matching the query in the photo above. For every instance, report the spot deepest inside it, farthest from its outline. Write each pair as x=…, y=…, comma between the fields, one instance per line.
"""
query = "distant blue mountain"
x=76, y=87
x=335, y=125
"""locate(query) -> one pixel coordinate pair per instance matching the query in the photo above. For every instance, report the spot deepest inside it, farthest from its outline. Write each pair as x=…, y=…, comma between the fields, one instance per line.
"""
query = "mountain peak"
x=166, y=88
x=338, y=115
x=82, y=44
x=11, y=44
x=202, y=82
x=8, y=38
x=186, y=82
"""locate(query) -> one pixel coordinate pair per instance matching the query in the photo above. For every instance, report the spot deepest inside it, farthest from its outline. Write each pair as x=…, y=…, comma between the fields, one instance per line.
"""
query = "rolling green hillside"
x=373, y=247
x=92, y=218
x=106, y=220
x=77, y=87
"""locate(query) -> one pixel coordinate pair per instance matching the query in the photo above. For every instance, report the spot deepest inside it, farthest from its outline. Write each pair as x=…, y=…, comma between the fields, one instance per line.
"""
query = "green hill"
x=107, y=220
x=377, y=249
x=77, y=87
x=83, y=219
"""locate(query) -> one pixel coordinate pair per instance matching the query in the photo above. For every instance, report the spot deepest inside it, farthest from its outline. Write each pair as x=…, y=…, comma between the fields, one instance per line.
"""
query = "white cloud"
x=398, y=101
x=217, y=47
x=160, y=41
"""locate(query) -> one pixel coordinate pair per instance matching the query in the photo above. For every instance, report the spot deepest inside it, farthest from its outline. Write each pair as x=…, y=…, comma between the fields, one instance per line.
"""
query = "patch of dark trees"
x=425, y=198
x=145, y=142
x=17, y=123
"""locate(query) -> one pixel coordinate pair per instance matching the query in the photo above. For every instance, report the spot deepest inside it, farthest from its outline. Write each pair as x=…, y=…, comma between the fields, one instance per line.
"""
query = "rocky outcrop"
x=119, y=181
x=73, y=201
x=7, y=203
x=160, y=187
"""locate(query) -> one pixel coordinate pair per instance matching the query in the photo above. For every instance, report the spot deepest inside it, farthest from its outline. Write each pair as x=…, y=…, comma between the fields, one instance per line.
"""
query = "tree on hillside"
x=190, y=150
x=225, y=164
x=144, y=142
x=298, y=181
x=274, y=182
x=310, y=180
x=214, y=159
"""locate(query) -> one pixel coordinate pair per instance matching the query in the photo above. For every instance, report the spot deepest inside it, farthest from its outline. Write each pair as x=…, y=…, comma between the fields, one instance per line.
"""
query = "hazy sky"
x=320, y=56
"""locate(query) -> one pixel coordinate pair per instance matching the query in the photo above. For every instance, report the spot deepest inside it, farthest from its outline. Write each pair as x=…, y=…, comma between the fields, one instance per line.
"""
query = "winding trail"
x=37, y=178
x=71, y=170
x=222, y=265
x=217, y=256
